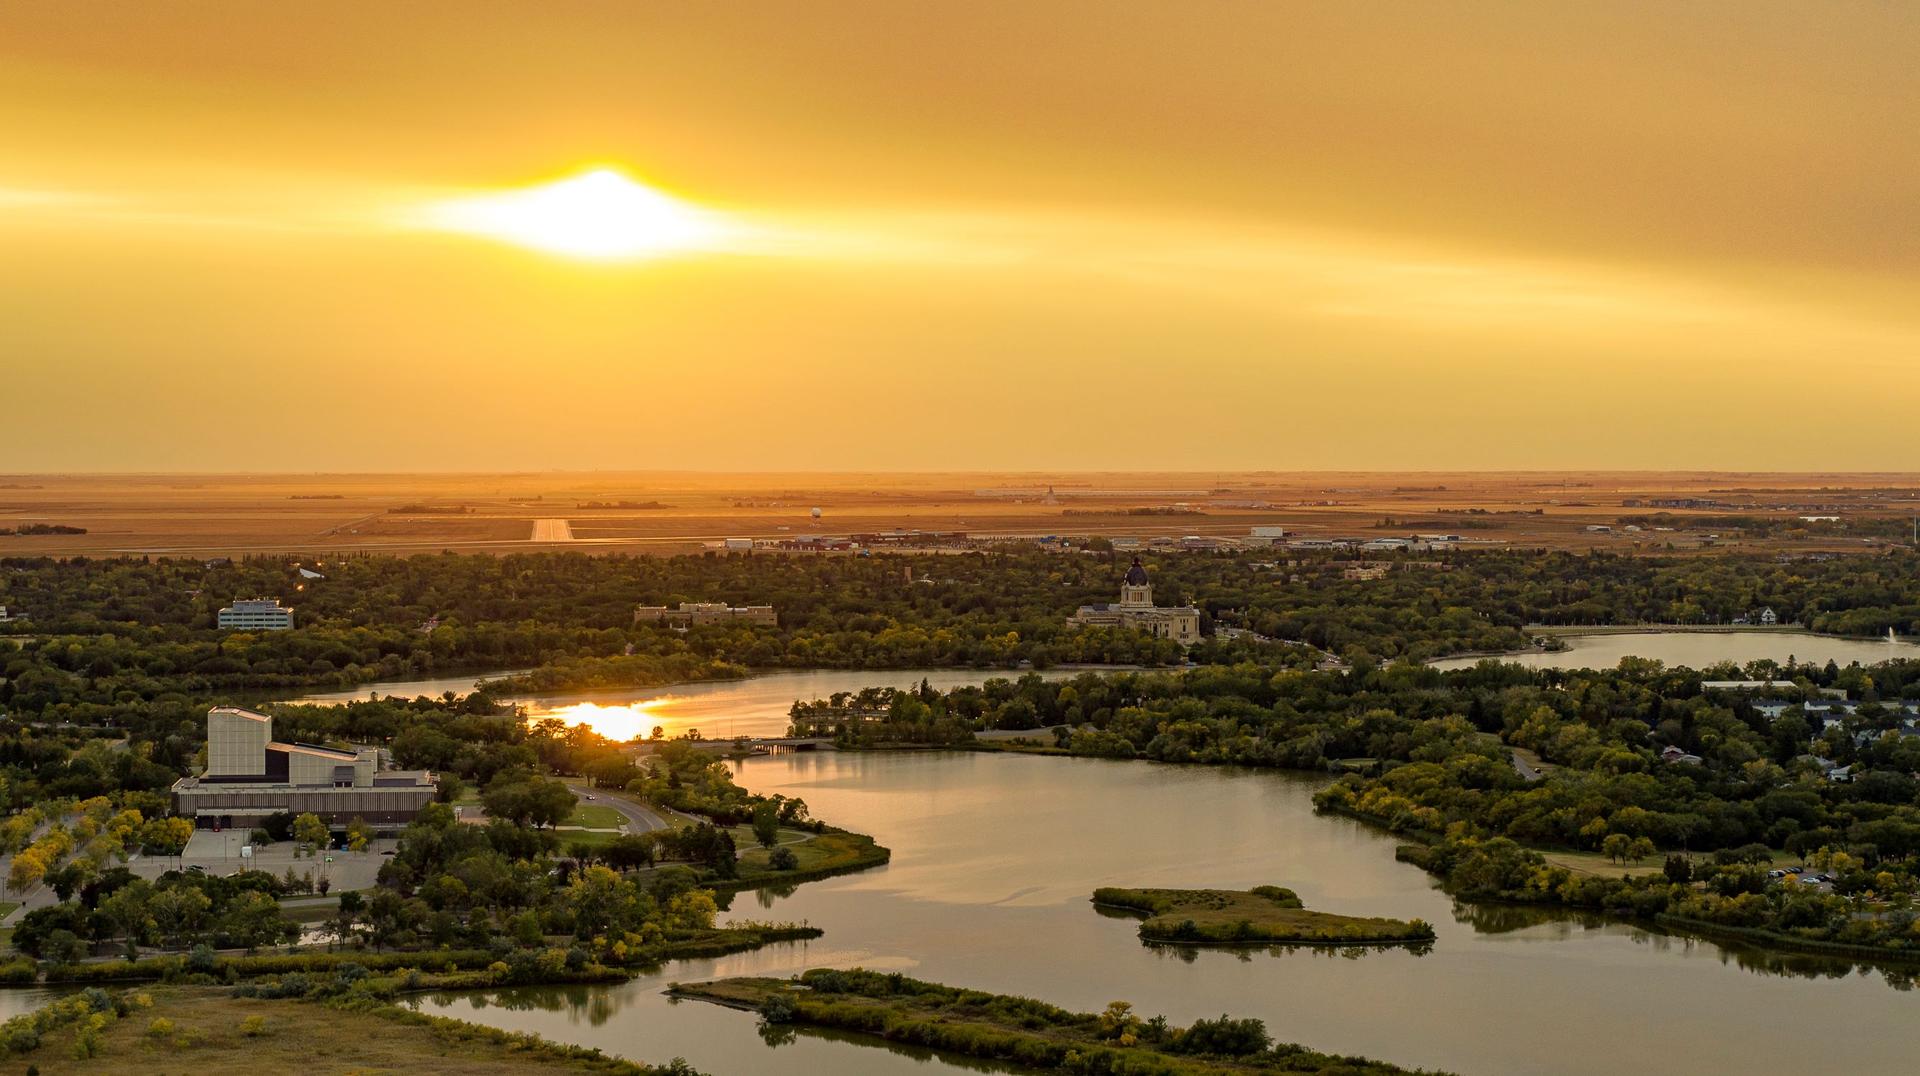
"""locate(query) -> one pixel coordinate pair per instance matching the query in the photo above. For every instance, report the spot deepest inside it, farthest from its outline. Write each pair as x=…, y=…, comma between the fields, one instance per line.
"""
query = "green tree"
x=766, y=824
x=310, y=831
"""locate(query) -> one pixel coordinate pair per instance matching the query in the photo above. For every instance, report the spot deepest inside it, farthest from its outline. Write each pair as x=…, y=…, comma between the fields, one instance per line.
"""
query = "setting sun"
x=619, y=721
x=600, y=214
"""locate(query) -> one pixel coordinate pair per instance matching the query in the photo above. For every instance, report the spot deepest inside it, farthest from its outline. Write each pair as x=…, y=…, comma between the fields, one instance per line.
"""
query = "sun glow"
x=601, y=214
x=619, y=722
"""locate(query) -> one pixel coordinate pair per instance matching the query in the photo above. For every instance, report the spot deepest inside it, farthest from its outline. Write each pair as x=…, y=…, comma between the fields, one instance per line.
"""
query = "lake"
x=719, y=709
x=995, y=857
x=1699, y=649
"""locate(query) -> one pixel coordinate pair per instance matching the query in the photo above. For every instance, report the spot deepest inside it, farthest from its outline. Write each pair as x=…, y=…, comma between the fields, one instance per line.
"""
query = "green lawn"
x=595, y=816
x=744, y=839
x=828, y=852
x=1595, y=863
x=311, y=909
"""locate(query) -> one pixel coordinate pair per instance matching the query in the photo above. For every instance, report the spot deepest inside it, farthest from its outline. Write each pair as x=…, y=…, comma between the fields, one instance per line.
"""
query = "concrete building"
x=1136, y=610
x=256, y=614
x=694, y=614
x=250, y=775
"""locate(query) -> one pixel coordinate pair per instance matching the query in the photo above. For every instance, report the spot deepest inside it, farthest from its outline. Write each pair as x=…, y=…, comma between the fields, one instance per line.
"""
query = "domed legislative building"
x=1136, y=610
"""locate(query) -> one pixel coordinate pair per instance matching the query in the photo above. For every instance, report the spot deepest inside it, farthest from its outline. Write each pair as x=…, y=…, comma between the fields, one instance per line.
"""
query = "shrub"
x=201, y=959
x=253, y=1026
x=777, y=1009
x=1225, y=1037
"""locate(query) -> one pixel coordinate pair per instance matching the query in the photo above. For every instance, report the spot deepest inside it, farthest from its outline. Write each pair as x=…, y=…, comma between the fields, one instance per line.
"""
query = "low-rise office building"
x=692, y=614
x=250, y=776
x=256, y=614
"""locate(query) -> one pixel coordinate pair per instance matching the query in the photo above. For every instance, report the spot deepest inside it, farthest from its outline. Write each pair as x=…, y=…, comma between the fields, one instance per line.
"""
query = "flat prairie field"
x=679, y=512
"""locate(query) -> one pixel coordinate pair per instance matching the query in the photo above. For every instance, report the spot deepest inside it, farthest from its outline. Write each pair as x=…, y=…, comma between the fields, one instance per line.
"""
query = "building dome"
x=1136, y=575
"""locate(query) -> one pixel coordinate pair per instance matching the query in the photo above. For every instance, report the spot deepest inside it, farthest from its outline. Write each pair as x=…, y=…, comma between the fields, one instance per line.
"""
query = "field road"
x=551, y=530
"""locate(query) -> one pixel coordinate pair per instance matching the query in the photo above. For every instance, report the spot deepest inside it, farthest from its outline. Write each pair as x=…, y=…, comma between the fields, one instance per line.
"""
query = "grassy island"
x=1264, y=915
x=1017, y=1030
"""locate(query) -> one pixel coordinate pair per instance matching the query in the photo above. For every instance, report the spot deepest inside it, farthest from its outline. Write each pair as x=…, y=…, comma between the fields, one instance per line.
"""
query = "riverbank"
x=1696, y=646
x=207, y=1031
x=682, y=945
x=1015, y=1030
x=824, y=855
x=1569, y=631
x=1264, y=915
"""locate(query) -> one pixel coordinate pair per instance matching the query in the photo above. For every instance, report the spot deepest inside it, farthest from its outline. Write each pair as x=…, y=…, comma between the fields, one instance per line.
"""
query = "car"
x=589, y=799
x=387, y=852
x=197, y=868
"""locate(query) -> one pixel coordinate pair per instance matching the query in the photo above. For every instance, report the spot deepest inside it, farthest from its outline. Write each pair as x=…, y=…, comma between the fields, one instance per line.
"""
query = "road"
x=639, y=819
x=552, y=530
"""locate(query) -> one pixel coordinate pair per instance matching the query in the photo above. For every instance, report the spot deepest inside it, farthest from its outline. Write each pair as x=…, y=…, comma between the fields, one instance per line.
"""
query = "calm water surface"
x=720, y=709
x=995, y=857
x=1699, y=649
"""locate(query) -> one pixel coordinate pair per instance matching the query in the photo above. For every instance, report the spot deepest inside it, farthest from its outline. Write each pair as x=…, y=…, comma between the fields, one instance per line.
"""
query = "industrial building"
x=250, y=775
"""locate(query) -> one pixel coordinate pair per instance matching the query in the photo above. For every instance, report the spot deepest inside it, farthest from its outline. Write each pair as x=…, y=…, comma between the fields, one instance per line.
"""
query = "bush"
x=783, y=859
x=201, y=959
x=253, y=1026
x=777, y=1009
x=1225, y=1037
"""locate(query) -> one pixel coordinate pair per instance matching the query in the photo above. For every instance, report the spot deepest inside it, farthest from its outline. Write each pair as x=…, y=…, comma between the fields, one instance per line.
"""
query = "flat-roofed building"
x=695, y=614
x=250, y=776
x=256, y=614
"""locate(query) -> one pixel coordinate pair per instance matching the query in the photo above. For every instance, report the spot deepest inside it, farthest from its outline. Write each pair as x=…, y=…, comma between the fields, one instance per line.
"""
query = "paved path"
x=1526, y=772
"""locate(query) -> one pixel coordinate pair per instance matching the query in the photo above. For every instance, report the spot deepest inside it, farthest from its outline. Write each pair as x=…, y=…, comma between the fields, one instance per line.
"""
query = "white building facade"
x=256, y=614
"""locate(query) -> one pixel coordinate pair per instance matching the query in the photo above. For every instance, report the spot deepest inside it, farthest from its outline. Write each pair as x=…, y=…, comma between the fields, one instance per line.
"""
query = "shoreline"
x=1591, y=631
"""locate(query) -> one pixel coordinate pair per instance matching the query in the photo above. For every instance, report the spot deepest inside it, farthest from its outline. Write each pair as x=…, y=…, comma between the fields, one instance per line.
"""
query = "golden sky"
x=1112, y=234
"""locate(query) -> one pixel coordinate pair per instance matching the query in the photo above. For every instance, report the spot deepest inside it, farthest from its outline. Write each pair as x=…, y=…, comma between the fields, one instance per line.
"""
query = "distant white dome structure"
x=816, y=513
